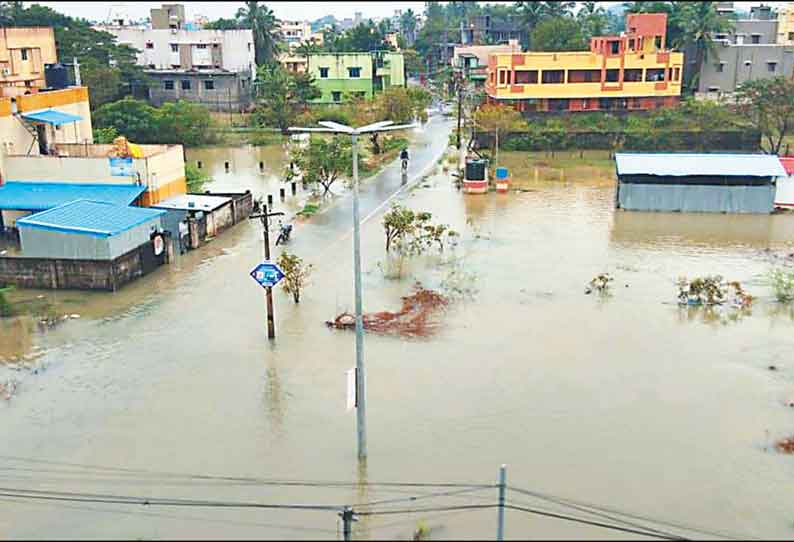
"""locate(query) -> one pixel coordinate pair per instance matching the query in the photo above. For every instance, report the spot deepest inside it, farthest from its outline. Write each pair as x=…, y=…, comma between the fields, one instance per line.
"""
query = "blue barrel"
x=501, y=173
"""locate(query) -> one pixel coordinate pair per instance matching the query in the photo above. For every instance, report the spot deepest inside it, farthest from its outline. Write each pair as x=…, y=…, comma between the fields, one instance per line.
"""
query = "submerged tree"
x=324, y=160
x=498, y=118
x=296, y=274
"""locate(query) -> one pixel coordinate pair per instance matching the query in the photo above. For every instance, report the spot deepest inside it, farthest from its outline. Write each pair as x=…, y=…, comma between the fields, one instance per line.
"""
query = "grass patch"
x=309, y=209
x=527, y=168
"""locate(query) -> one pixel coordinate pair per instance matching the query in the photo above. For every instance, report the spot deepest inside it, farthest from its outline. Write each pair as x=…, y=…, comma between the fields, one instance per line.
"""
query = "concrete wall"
x=338, y=79
x=162, y=173
x=237, y=46
x=740, y=63
x=232, y=91
x=51, y=273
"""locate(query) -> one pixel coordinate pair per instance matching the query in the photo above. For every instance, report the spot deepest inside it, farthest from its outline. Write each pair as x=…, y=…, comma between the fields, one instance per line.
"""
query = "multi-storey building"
x=212, y=67
x=471, y=61
x=24, y=54
x=758, y=47
x=633, y=71
x=484, y=29
x=358, y=74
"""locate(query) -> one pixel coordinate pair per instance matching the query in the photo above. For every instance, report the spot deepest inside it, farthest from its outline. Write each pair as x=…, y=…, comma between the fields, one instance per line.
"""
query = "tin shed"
x=715, y=183
x=87, y=230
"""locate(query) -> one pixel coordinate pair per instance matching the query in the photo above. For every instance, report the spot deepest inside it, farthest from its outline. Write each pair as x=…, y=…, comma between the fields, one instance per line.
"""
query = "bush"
x=782, y=283
x=195, y=178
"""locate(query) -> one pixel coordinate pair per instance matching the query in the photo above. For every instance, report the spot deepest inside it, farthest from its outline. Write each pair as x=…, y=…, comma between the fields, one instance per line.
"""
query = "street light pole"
x=361, y=390
x=361, y=386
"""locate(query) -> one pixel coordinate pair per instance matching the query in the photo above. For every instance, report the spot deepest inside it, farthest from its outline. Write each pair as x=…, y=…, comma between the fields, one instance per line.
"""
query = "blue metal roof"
x=26, y=196
x=90, y=218
x=51, y=116
x=685, y=164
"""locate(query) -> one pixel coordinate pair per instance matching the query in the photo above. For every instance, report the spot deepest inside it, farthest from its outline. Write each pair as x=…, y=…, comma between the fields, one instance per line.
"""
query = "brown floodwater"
x=627, y=401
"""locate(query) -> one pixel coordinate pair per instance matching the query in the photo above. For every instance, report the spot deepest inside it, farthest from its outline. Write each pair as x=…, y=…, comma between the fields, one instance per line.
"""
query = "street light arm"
x=387, y=128
x=336, y=126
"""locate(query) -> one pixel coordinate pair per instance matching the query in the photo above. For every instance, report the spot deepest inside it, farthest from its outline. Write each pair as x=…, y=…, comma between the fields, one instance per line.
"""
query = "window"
x=24, y=53
x=336, y=96
x=755, y=38
x=614, y=47
x=360, y=94
x=526, y=77
x=323, y=72
x=791, y=36
x=185, y=83
x=654, y=74
x=169, y=85
x=719, y=67
x=491, y=77
x=771, y=66
x=613, y=76
x=553, y=76
x=633, y=75
x=174, y=48
x=149, y=45
x=748, y=63
x=201, y=46
x=249, y=45
x=720, y=37
x=502, y=77
x=631, y=44
x=657, y=41
x=584, y=76
x=354, y=72
x=209, y=84
x=714, y=89
x=152, y=66
x=676, y=74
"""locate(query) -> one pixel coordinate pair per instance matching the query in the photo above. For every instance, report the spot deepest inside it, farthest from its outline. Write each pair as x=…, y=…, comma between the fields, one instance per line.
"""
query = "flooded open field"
x=627, y=401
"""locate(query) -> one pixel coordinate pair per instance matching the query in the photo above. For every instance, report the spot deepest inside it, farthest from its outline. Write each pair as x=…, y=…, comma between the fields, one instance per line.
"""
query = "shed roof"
x=193, y=202
x=27, y=196
x=692, y=164
x=86, y=217
x=51, y=116
x=788, y=164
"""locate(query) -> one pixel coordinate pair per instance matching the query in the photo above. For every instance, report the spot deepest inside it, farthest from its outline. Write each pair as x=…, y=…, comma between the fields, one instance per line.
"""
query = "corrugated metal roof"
x=90, y=218
x=26, y=196
x=193, y=202
x=683, y=164
x=51, y=116
x=788, y=164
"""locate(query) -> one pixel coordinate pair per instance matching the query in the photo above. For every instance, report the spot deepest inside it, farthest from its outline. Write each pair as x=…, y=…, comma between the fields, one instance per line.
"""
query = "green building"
x=363, y=74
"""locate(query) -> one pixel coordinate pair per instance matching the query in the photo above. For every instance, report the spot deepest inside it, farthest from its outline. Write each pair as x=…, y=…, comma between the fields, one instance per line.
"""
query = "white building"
x=166, y=49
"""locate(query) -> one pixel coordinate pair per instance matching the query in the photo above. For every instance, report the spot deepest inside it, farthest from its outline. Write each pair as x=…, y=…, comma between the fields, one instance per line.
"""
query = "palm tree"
x=593, y=19
x=558, y=9
x=267, y=32
x=408, y=26
x=699, y=22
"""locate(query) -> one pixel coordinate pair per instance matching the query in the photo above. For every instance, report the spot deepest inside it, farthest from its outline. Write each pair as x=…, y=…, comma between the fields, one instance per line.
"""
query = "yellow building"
x=23, y=54
x=633, y=71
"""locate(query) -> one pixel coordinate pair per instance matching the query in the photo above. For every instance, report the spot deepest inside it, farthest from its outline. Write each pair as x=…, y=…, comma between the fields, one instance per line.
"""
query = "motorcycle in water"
x=284, y=234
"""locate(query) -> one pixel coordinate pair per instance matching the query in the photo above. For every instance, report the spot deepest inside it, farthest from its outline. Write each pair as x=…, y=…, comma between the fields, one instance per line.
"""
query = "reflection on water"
x=581, y=396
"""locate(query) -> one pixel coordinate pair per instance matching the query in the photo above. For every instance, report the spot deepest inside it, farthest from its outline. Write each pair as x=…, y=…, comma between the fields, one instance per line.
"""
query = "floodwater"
x=626, y=401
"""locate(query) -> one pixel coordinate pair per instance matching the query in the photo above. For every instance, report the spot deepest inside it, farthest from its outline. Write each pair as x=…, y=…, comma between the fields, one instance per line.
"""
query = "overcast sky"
x=284, y=10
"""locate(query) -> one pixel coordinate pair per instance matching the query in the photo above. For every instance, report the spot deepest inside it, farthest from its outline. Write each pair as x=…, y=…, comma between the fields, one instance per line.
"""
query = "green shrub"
x=782, y=282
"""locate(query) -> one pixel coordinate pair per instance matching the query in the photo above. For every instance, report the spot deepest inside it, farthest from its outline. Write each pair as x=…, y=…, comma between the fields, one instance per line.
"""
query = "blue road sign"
x=267, y=274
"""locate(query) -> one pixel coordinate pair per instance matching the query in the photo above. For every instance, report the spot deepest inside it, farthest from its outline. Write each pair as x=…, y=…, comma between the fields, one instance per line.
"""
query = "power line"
x=429, y=509
x=584, y=506
x=593, y=523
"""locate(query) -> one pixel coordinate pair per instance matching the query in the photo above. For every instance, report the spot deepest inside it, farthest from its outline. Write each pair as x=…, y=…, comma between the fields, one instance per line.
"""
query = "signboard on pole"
x=267, y=274
x=351, y=389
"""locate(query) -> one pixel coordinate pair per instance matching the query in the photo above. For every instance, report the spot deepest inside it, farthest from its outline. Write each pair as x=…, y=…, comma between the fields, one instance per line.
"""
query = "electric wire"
x=604, y=509
x=592, y=523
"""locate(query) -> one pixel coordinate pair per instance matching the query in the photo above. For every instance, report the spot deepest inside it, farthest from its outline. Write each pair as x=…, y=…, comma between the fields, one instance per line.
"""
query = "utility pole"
x=347, y=523
x=459, y=82
x=500, y=525
x=361, y=390
x=264, y=217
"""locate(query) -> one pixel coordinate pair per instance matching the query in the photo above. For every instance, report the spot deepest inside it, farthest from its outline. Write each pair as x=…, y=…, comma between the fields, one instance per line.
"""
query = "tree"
x=412, y=232
x=223, y=24
x=408, y=26
x=400, y=105
x=267, y=33
x=296, y=274
x=558, y=34
x=593, y=19
x=769, y=105
x=282, y=96
x=699, y=22
x=498, y=118
x=557, y=9
x=195, y=178
x=184, y=123
x=324, y=160
x=134, y=119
